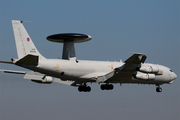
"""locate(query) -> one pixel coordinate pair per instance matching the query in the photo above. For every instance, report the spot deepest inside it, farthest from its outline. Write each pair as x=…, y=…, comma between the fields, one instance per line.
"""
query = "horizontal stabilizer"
x=6, y=62
x=28, y=60
x=12, y=71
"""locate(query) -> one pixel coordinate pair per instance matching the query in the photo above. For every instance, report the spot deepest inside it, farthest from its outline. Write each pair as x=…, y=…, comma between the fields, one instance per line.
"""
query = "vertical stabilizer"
x=24, y=43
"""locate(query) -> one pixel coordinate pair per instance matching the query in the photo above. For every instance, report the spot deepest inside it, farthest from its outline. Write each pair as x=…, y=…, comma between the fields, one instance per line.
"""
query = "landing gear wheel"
x=88, y=89
x=84, y=88
x=107, y=87
x=102, y=87
x=111, y=87
x=80, y=88
x=158, y=89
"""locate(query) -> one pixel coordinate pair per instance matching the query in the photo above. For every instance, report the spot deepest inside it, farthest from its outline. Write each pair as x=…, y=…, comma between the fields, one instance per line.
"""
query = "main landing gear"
x=84, y=88
x=107, y=87
x=158, y=88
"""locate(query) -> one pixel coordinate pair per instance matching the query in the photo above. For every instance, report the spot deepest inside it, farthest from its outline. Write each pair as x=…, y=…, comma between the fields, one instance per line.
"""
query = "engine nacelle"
x=144, y=76
x=149, y=69
x=45, y=80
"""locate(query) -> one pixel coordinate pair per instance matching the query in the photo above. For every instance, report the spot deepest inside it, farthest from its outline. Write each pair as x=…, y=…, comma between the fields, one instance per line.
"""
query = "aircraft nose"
x=173, y=76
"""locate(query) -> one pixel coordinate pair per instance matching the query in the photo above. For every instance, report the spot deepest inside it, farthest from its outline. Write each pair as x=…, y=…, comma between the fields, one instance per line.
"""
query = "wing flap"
x=68, y=82
x=105, y=77
x=94, y=74
x=34, y=76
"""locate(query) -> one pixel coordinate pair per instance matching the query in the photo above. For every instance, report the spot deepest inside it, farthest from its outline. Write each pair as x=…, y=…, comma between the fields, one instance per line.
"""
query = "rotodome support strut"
x=68, y=40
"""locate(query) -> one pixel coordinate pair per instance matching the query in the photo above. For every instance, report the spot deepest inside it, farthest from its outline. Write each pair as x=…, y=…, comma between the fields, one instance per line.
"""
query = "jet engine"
x=45, y=80
x=149, y=69
x=144, y=76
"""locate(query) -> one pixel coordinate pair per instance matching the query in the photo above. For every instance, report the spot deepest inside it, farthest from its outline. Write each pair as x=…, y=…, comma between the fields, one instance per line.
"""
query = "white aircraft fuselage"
x=71, y=71
x=84, y=71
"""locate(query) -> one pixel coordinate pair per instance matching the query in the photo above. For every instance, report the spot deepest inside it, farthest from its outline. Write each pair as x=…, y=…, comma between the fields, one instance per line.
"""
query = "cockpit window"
x=171, y=70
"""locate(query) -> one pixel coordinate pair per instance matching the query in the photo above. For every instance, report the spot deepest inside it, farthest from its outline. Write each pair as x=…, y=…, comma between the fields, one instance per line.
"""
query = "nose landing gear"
x=158, y=88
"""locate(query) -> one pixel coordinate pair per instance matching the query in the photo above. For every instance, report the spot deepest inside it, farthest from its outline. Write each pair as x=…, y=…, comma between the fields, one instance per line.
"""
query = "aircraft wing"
x=134, y=61
x=136, y=58
x=42, y=78
x=124, y=72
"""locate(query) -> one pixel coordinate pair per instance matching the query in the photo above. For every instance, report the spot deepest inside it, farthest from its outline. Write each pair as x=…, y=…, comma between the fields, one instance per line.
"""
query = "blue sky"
x=117, y=27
